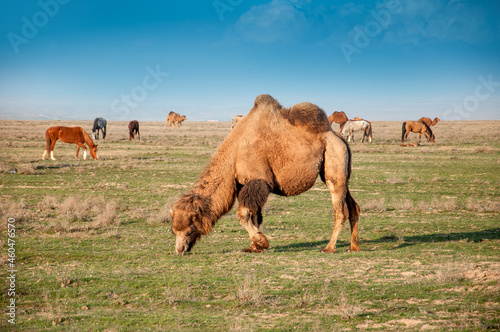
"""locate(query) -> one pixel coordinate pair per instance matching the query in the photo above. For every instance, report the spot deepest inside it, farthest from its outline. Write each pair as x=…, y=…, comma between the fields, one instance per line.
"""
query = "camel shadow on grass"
x=479, y=236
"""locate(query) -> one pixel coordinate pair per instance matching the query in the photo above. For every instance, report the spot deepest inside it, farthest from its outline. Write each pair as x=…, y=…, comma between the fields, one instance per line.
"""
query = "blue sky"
x=124, y=60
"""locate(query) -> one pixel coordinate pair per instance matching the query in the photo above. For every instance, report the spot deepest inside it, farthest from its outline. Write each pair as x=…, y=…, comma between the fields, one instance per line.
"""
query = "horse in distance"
x=419, y=128
x=99, y=124
x=352, y=126
x=73, y=135
x=133, y=129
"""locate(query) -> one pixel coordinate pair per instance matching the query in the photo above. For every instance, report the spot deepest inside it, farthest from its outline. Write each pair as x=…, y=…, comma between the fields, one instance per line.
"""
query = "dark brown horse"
x=419, y=128
x=133, y=128
x=74, y=135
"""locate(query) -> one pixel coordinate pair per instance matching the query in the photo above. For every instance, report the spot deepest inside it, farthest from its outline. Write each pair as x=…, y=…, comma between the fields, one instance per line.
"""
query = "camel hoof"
x=354, y=249
x=328, y=251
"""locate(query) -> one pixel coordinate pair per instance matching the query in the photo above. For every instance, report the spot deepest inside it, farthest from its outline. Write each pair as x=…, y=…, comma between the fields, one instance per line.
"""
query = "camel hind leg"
x=252, y=198
x=336, y=175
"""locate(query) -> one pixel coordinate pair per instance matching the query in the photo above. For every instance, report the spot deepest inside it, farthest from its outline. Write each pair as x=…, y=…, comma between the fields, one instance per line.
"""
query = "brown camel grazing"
x=419, y=128
x=174, y=119
x=338, y=117
x=236, y=119
x=75, y=135
x=272, y=150
x=428, y=121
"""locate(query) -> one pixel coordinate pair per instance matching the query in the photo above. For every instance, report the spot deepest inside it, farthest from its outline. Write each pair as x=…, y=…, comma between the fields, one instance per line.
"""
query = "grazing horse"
x=133, y=128
x=75, y=135
x=419, y=128
x=428, y=121
x=99, y=124
x=236, y=119
x=357, y=125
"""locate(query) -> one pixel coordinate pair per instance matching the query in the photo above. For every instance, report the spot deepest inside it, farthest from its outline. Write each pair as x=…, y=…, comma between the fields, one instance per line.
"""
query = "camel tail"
x=403, y=132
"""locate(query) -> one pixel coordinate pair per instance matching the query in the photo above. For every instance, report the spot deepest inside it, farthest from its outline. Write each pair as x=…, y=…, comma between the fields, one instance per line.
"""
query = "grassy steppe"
x=94, y=249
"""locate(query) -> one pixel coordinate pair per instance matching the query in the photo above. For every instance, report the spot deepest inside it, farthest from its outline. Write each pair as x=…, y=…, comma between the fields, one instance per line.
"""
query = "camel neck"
x=217, y=183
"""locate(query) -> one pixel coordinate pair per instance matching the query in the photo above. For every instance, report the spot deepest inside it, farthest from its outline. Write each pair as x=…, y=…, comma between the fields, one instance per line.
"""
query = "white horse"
x=357, y=125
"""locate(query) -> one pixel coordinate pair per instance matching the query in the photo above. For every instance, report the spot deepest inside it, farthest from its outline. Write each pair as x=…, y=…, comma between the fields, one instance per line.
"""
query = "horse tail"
x=48, y=141
x=404, y=132
x=368, y=131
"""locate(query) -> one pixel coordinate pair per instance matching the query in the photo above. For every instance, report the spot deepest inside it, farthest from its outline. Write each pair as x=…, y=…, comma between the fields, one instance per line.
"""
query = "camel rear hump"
x=306, y=114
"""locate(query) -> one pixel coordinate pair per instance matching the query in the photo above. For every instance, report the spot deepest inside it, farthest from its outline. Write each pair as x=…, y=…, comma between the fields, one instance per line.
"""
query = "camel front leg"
x=252, y=198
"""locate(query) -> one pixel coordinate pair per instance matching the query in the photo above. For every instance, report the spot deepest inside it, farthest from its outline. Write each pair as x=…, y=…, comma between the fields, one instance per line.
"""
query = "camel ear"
x=172, y=213
x=96, y=145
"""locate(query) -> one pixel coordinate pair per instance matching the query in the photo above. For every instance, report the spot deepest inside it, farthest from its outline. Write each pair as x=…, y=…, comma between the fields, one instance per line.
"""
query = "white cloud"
x=279, y=20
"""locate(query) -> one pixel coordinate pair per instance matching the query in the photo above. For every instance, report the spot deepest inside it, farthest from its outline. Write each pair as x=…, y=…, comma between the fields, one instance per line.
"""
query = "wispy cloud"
x=446, y=20
x=277, y=21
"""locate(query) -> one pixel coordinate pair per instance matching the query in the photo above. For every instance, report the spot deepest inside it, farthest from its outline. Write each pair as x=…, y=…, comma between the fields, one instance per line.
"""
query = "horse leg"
x=252, y=198
x=419, y=137
x=51, y=148
x=80, y=145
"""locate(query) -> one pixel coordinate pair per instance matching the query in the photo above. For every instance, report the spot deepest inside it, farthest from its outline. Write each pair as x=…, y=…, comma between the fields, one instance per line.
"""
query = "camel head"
x=187, y=222
x=432, y=138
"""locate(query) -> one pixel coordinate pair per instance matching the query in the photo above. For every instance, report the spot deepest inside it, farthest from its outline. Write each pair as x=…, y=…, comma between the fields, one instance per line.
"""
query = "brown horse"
x=419, y=128
x=428, y=121
x=75, y=135
x=272, y=150
x=133, y=128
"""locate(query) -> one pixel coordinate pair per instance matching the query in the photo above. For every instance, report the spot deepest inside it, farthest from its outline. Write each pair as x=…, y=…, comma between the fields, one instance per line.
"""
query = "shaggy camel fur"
x=174, y=119
x=236, y=119
x=272, y=150
x=428, y=121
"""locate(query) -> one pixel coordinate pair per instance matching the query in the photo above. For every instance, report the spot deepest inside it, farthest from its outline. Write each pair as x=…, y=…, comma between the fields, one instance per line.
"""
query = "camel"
x=272, y=150
x=419, y=128
x=428, y=121
x=236, y=119
x=338, y=117
x=174, y=119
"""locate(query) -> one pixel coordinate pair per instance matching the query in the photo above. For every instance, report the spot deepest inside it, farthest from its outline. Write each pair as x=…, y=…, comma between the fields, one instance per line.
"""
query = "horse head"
x=93, y=152
x=187, y=222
